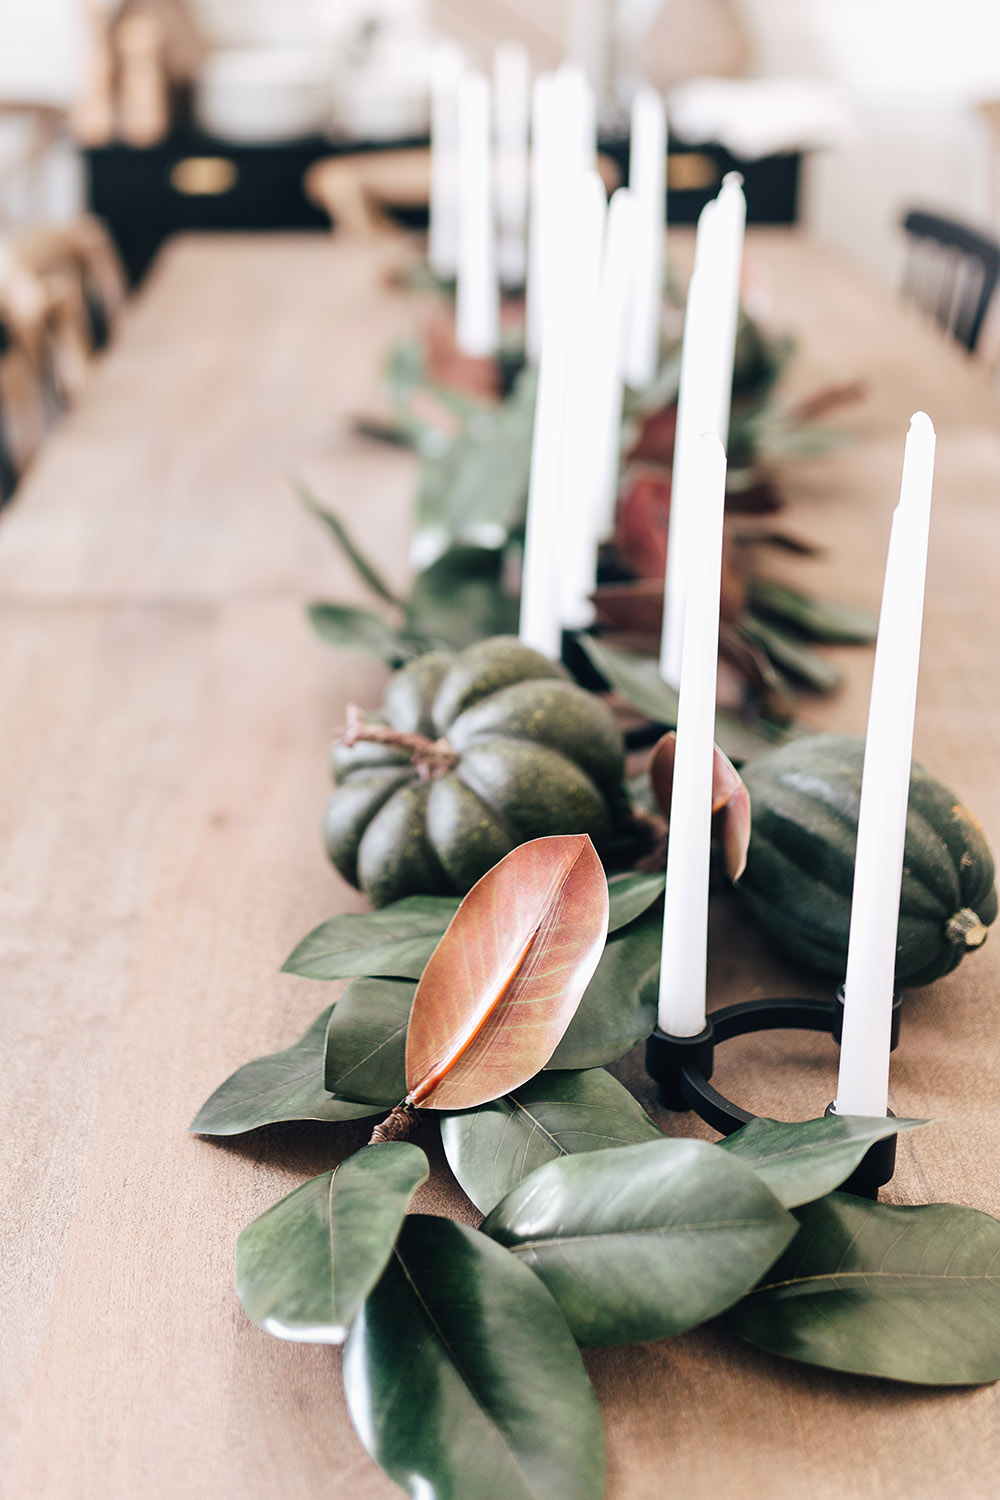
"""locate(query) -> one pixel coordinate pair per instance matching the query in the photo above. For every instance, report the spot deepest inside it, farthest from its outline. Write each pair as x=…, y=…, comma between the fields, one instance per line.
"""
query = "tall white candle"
x=577, y=114
x=589, y=41
x=544, y=156
x=594, y=416
x=730, y=226
x=863, y=1084
x=577, y=547
x=579, y=208
x=445, y=71
x=683, y=961
x=647, y=180
x=620, y=268
x=707, y=356
x=477, y=292
x=511, y=76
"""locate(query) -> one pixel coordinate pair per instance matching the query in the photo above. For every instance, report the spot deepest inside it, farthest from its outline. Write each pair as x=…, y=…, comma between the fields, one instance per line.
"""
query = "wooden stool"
x=359, y=193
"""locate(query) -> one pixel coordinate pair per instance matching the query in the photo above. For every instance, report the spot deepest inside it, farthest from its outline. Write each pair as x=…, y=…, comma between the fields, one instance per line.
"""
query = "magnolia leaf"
x=481, y=482
x=807, y=1159
x=365, y=569
x=348, y=625
x=395, y=941
x=730, y=799
x=631, y=895
x=463, y=1380
x=909, y=1294
x=637, y=680
x=792, y=656
x=641, y=1242
x=824, y=619
x=460, y=598
x=366, y=1041
x=502, y=985
x=618, y=1009
x=490, y=1149
x=282, y=1086
x=306, y=1265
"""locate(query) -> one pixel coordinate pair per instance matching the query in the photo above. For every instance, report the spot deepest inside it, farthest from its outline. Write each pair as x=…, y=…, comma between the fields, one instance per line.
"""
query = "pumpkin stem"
x=432, y=758
x=965, y=929
x=396, y=1126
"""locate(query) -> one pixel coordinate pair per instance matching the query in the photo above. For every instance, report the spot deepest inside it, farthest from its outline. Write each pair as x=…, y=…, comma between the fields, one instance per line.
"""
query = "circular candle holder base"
x=875, y=1168
x=681, y=1067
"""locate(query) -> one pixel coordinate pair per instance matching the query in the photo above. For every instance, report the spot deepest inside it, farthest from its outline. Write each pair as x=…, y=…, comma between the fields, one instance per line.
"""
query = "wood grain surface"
x=164, y=718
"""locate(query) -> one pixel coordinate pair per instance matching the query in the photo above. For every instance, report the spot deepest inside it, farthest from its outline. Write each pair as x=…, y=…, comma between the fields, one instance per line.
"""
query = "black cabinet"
x=193, y=182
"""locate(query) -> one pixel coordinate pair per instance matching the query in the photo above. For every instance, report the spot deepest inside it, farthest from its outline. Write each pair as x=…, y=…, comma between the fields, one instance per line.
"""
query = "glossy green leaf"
x=284, y=1085
x=637, y=680
x=366, y=1041
x=490, y=1149
x=362, y=565
x=618, y=1009
x=395, y=941
x=631, y=895
x=909, y=1294
x=791, y=655
x=463, y=1380
x=504, y=982
x=824, y=619
x=642, y=1242
x=362, y=630
x=807, y=1159
x=460, y=598
x=480, y=484
x=306, y=1265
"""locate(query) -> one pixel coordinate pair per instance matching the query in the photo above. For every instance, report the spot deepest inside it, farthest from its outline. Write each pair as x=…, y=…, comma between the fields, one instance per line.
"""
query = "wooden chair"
x=951, y=272
x=61, y=291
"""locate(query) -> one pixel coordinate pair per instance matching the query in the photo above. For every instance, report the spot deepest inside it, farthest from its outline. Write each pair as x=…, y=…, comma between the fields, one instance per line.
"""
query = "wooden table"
x=164, y=714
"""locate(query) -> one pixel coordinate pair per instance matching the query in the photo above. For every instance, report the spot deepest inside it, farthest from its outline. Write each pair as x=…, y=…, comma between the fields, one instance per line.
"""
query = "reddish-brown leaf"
x=730, y=800
x=642, y=524
x=504, y=982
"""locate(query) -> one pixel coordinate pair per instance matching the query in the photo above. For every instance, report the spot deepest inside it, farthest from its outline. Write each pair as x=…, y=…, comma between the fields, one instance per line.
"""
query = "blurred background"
x=877, y=105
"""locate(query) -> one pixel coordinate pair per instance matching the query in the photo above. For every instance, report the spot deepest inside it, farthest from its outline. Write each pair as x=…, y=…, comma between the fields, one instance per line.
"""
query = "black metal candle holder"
x=681, y=1067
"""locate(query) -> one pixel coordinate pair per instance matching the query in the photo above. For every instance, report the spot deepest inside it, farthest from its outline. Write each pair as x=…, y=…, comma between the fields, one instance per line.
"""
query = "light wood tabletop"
x=164, y=722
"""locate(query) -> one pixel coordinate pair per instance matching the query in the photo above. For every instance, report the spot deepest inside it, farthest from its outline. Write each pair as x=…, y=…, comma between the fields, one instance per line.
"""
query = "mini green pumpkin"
x=804, y=801
x=471, y=756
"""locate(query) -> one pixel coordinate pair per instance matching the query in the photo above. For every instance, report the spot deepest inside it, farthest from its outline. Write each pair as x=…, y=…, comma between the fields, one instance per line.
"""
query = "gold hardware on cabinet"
x=204, y=176
x=691, y=171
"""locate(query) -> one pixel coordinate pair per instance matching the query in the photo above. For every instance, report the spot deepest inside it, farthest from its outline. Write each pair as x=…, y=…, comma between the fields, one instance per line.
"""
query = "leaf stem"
x=396, y=1126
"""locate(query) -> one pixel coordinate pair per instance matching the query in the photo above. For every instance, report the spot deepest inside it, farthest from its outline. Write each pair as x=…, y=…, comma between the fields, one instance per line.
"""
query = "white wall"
x=912, y=71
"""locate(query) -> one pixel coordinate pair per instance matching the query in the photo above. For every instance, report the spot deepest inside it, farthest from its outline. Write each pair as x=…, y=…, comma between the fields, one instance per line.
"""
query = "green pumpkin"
x=804, y=801
x=506, y=748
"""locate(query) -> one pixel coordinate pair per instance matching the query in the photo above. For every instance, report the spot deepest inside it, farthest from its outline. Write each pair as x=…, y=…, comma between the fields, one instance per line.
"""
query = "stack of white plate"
x=263, y=94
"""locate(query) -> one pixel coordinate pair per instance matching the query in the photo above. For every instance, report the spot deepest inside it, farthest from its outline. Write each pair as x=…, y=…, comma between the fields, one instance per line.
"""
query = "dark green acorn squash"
x=804, y=802
x=500, y=746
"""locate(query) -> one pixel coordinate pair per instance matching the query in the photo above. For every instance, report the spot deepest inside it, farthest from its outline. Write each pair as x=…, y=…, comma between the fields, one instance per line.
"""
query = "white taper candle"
x=704, y=398
x=477, y=291
x=577, y=225
x=684, y=956
x=577, y=549
x=647, y=180
x=511, y=91
x=863, y=1083
x=442, y=247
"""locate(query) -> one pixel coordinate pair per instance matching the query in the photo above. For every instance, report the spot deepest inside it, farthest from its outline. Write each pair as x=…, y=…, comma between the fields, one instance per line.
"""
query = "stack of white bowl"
x=263, y=94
